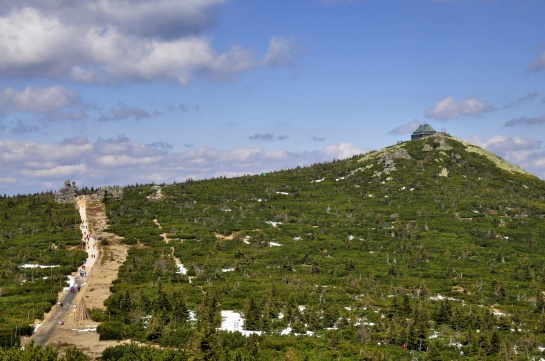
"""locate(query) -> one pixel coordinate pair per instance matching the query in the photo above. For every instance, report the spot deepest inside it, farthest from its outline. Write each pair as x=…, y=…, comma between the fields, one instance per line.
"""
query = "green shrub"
x=112, y=330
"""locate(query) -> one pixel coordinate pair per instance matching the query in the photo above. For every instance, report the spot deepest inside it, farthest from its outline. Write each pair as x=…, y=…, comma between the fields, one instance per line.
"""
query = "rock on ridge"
x=67, y=193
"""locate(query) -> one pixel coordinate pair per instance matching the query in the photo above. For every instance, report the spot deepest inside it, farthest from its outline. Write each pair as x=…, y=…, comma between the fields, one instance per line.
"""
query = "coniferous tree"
x=252, y=314
x=180, y=313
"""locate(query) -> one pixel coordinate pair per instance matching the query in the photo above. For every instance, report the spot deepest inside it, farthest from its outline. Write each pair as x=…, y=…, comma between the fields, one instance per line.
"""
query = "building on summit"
x=422, y=131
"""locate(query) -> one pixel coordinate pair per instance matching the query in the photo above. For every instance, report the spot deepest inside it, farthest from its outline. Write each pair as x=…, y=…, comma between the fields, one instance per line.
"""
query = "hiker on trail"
x=62, y=305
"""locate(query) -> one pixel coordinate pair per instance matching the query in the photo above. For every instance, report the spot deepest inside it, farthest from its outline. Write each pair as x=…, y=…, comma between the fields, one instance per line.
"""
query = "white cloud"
x=119, y=161
x=160, y=18
x=407, y=128
x=450, y=108
x=33, y=99
x=342, y=150
x=54, y=171
x=33, y=43
x=119, y=40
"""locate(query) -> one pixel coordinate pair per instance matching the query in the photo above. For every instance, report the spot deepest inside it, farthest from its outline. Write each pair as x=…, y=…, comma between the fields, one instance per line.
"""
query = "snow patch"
x=71, y=282
x=30, y=265
x=181, y=269
x=90, y=329
x=232, y=321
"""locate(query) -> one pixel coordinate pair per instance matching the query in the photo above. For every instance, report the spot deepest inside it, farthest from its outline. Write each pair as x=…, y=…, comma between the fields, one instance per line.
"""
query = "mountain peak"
x=447, y=147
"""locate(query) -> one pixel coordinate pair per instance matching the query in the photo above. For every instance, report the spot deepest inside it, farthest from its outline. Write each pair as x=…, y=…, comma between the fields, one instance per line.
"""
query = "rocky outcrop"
x=443, y=145
x=115, y=191
x=388, y=162
x=67, y=193
x=155, y=194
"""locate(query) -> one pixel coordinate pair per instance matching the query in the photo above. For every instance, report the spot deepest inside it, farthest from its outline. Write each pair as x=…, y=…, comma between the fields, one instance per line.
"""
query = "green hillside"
x=430, y=237
x=36, y=231
x=431, y=249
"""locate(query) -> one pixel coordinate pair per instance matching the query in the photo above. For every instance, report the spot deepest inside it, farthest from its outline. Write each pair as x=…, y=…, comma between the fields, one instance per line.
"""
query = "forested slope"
x=431, y=249
x=433, y=244
x=39, y=243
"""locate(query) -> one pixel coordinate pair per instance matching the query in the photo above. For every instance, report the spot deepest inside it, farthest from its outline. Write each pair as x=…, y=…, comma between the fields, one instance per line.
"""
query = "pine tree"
x=180, y=313
x=209, y=312
x=433, y=352
x=442, y=313
x=494, y=343
x=291, y=310
x=406, y=309
x=155, y=326
x=252, y=314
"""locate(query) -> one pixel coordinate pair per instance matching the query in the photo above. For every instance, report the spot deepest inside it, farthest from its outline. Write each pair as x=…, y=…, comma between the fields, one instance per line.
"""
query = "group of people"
x=83, y=269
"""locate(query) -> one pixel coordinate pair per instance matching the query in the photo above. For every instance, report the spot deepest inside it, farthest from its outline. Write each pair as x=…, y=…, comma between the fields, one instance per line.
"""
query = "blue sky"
x=117, y=92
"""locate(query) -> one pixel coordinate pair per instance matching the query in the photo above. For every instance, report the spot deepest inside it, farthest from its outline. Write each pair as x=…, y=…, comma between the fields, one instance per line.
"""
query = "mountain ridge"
x=428, y=244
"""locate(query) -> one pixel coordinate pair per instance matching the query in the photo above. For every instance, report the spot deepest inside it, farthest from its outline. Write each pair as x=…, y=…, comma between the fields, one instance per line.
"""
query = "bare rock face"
x=67, y=193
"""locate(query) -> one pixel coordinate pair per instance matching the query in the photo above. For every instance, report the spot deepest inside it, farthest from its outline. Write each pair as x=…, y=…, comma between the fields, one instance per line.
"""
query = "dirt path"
x=101, y=274
x=167, y=241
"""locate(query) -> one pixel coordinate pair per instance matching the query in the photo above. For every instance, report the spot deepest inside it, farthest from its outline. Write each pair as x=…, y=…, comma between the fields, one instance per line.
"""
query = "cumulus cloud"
x=538, y=64
x=36, y=100
x=343, y=150
x=120, y=161
x=407, y=128
x=525, y=121
x=450, y=108
x=109, y=40
x=161, y=18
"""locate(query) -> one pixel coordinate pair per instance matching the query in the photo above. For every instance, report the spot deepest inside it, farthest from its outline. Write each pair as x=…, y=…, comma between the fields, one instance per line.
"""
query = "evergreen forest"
x=431, y=249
